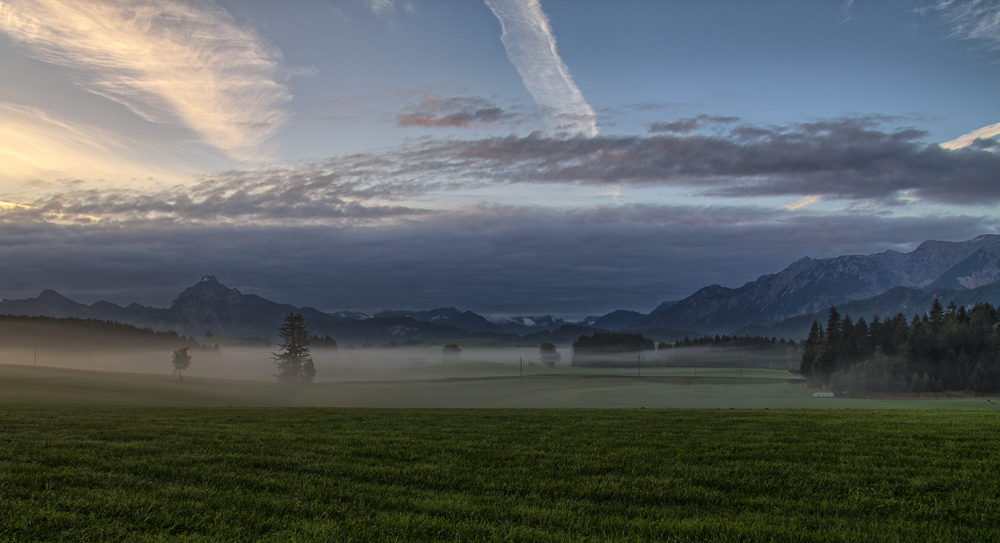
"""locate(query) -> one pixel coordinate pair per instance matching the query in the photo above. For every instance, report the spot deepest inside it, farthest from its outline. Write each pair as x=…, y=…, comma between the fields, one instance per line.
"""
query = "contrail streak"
x=531, y=48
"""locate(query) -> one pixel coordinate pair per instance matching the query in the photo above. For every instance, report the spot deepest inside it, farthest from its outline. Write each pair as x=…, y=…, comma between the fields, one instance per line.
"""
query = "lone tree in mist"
x=295, y=364
x=181, y=360
x=451, y=353
x=549, y=355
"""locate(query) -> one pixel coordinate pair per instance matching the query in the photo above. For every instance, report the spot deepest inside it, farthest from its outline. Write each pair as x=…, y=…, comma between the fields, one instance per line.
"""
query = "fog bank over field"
x=385, y=365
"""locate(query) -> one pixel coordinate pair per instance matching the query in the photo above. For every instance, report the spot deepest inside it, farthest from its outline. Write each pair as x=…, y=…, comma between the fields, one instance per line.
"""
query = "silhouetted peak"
x=209, y=289
x=50, y=295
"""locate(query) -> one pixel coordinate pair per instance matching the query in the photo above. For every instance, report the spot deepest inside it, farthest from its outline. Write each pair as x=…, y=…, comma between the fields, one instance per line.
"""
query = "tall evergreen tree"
x=294, y=362
x=936, y=315
x=826, y=360
x=811, y=350
x=833, y=327
x=181, y=361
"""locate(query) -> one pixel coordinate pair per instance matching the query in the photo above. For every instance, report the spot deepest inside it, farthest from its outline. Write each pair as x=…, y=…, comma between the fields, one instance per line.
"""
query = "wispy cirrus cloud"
x=385, y=8
x=977, y=20
x=531, y=48
x=37, y=145
x=183, y=62
x=970, y=19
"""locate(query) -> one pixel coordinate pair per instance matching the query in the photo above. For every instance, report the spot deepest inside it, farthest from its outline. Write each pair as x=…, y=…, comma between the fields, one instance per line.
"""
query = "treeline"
x=739, y=342
x=612, y=342
x=607, y=347
x=19, y=332
x=325, y=342
x=945, y=349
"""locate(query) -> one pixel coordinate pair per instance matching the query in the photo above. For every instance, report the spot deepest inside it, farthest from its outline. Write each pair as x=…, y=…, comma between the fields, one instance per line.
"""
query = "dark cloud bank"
x=847, y=159
x=500, y=260
x=850, y=159
x=339, y=234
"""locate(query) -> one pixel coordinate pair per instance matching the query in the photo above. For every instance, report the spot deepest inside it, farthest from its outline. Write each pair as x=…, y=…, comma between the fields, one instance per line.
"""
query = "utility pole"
x=520, y=363
x=639, y=365
x=36, y=356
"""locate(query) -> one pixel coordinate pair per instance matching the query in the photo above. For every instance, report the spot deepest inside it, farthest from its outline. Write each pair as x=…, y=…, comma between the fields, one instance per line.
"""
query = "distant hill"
x=73, y=334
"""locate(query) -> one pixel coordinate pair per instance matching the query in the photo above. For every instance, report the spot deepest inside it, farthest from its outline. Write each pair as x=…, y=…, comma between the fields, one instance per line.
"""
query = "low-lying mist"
x=376, y=364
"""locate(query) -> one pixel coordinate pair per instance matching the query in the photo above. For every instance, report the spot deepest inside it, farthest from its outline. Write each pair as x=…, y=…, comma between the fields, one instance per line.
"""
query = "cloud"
x=381, y=7
x=970, y=19
x=38, y=145
x=851, y=159
x=977, y=20
x=531, y=48
x=490, y=259
x=804, y=202
x=848, y=158
x=355, y=190
x=990, y=131
x=689, y=124
x=386, y=8
x=184, y=62
x=454, y=112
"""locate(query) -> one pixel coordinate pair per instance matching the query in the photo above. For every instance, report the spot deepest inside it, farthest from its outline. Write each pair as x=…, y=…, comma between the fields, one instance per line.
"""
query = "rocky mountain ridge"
x=810, y=285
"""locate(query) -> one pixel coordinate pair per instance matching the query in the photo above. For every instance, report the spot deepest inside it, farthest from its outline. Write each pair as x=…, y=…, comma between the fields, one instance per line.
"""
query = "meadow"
x=316, y=474
x=370, y=455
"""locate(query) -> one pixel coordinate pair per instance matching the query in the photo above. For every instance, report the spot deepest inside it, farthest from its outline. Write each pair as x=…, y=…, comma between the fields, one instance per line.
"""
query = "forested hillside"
x=18, y=332
x=945, y=349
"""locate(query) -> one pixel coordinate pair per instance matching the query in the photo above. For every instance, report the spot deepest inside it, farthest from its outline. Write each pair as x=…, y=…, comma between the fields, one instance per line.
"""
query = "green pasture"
x=100, y=473
x=462, y=384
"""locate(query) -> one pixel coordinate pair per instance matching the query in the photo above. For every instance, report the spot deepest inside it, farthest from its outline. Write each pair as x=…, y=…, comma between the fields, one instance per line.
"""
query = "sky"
x=509, y=157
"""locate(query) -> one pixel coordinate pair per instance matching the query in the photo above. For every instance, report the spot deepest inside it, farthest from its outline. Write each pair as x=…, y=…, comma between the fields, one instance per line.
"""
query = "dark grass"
x=84, y=473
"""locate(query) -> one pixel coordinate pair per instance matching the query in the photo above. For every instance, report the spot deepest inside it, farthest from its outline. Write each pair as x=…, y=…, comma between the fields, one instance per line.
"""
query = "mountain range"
x=782, y=304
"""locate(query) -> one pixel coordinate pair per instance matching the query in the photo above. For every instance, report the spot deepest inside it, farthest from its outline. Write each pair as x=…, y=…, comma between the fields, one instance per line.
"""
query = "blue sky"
x=504, y=156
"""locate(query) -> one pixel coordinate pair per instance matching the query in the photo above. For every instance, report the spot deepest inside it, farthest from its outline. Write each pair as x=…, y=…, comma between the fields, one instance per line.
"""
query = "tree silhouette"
x=181, y=360
x=549, y=355
x=294, y=362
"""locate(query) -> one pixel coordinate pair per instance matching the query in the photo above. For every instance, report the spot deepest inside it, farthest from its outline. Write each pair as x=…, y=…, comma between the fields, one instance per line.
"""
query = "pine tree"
x=294, y=362
x=936, y=315
x=811, y=350
x=181, y=360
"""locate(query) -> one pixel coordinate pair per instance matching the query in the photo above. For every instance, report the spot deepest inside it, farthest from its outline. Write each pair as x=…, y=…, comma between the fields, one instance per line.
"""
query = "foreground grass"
x=85, y=473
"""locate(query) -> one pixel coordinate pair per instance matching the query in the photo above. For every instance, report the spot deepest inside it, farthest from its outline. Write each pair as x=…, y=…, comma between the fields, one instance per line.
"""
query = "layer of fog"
x=404, y=364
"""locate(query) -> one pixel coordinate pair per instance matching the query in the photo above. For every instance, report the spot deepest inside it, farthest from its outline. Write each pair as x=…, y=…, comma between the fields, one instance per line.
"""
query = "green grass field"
x=312, y=474
x=104, y=456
